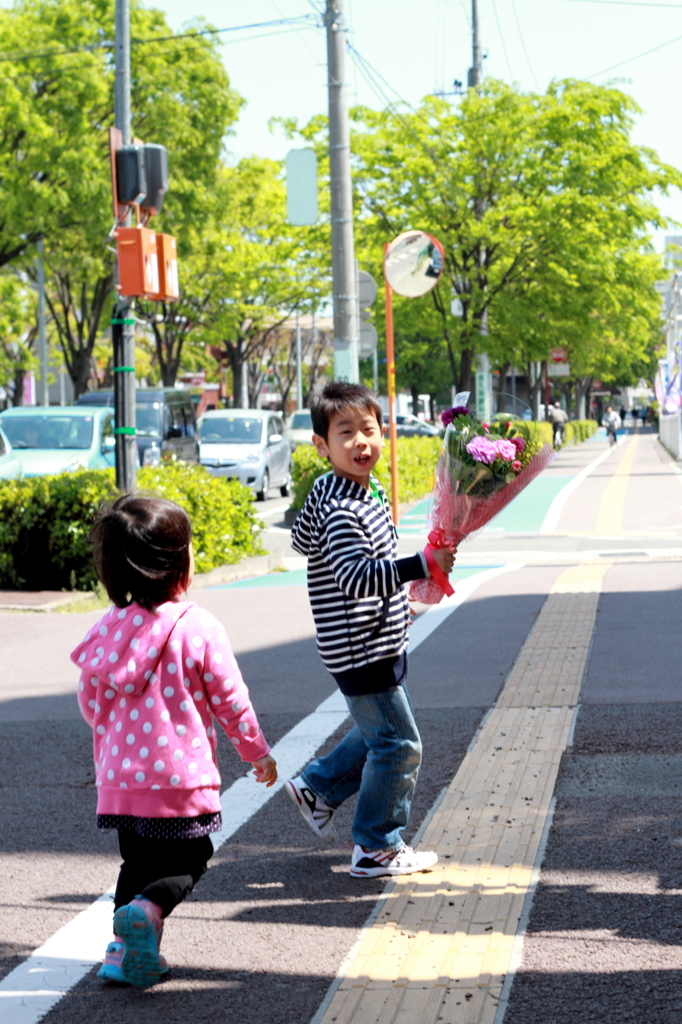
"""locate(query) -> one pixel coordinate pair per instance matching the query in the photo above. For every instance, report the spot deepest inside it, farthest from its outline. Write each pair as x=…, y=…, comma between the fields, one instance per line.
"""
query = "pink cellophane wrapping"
x=454, y=516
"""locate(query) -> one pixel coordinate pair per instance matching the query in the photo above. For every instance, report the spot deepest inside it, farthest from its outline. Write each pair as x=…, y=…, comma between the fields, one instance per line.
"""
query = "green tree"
x=181, y=97
x=18, y=331
x=251, y=270
x=543, y=204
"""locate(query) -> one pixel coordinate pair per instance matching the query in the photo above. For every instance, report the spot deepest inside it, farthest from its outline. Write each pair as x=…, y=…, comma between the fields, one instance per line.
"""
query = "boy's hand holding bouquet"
x=480, y=469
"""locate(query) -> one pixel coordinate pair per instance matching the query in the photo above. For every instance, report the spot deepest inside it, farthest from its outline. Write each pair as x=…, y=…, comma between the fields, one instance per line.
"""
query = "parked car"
x=165, y=421
x=248, y=444
x=10, y=467
x=300, y=428
x=53, y=440
x=411, y=426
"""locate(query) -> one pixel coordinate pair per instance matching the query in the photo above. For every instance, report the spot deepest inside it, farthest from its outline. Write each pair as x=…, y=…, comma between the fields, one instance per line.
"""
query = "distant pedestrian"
x=611, y=421
x=623, y=414
x=155, y=670
x=558, y=418
x=355, y=583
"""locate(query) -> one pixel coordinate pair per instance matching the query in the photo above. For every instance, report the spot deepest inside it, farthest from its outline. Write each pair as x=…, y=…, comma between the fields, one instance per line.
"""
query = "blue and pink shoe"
x=138, y=928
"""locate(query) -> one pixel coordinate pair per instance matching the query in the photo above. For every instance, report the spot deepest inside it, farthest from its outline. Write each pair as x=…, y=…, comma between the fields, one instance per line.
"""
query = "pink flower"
x=519, y=443
x=482, y=450
x=486, y=426
x=505, y=449
x=516, y=466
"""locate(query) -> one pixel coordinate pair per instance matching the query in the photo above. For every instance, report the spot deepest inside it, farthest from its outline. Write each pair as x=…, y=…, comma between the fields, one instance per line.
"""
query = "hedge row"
x=417, y=457
x=45, y=521
x=575, y=431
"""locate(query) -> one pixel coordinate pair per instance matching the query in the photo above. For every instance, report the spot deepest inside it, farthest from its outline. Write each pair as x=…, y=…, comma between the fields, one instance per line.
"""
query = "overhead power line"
x=620, y=3
x=108, y=44
x=637, y=56
x=523, y=44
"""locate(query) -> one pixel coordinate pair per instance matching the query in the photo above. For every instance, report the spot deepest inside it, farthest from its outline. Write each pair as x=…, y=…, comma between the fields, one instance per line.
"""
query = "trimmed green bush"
x=45, y=521
x=417, y=458
x=575, y=431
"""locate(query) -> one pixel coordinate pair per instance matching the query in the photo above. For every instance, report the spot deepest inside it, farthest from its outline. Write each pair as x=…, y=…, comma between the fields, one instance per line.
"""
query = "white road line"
x=273, y=510
x=33, y=988
x=549, y=524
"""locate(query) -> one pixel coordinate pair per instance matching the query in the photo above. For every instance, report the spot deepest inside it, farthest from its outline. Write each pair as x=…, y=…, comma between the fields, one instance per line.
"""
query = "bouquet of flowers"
x=481, y=468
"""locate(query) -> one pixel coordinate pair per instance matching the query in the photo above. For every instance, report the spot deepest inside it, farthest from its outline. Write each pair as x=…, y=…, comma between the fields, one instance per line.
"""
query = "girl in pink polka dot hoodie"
x=157, y=673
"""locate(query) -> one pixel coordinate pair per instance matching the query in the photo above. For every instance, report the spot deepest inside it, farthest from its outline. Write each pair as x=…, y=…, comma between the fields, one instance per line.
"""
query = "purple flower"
x=450, y=414
x=518, y=443
x=482, y=450
x=505, y=449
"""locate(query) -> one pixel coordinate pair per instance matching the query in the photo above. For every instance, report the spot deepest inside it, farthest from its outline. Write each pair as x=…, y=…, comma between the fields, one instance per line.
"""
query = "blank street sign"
x=301, y=186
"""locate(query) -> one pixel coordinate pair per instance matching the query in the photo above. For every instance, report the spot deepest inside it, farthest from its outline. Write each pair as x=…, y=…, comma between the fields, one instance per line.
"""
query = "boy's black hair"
x=335, y=396
x=141, y=550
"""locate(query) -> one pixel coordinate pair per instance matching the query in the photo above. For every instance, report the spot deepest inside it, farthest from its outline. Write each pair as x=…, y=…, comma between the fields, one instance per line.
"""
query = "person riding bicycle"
x=611, y=421
x=558, y=418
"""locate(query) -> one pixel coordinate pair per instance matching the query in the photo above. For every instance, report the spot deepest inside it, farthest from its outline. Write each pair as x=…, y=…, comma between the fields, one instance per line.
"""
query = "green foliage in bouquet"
x=45, y=521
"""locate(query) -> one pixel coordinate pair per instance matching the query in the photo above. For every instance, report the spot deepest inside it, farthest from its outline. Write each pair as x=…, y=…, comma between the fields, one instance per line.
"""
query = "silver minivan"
x=248, y=444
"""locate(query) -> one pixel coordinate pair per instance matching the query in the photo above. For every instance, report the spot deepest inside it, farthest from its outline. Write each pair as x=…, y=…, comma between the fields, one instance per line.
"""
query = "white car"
x=10, y=467
x=300, y=428
x=249, y=445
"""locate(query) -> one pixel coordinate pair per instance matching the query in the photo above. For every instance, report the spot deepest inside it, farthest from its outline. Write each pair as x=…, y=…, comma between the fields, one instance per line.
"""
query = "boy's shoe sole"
x=141, y=964
x=308, y=805
x=375, y=863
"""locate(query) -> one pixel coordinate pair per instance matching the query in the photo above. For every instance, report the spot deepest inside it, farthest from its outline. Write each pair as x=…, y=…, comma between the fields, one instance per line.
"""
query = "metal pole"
x=390, y=378
x=343, y=253
x=299, y=367
x=475, y=75
x=245, y=385
x=44, y=398
x=123, y=320
x=375, y=371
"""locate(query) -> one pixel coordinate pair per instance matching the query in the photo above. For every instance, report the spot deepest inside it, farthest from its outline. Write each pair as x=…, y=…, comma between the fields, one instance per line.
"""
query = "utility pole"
x=475, y=76
x=123, y=320
x=343, y=252
x=43, y=397
x=299, y=366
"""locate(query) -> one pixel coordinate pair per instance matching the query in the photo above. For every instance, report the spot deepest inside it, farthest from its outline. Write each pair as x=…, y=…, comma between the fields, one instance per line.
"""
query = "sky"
x=420, y=46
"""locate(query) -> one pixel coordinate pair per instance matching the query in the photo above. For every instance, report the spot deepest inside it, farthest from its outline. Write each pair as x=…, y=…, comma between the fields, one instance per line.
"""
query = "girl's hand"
x=265, y=770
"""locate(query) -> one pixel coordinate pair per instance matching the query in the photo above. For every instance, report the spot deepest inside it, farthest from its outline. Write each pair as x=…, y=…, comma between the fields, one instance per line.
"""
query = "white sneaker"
x=315, y=811
x=370, y=863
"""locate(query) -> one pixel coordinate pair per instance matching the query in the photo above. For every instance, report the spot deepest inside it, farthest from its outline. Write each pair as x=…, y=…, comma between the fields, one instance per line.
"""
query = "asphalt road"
x=266, y=930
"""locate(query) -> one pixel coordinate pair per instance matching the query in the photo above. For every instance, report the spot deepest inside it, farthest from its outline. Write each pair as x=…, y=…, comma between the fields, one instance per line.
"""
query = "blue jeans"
x=380, y=757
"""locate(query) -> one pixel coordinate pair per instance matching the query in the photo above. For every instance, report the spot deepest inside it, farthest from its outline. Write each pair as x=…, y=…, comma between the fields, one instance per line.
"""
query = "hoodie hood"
x=125, y=647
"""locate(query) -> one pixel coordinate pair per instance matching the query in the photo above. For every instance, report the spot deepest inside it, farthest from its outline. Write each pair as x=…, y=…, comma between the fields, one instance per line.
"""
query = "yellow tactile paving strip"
x=612, y=505
x=442, y=943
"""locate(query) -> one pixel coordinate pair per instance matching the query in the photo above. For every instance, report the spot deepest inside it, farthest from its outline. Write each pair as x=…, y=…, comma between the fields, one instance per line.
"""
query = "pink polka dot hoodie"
x=152, y=686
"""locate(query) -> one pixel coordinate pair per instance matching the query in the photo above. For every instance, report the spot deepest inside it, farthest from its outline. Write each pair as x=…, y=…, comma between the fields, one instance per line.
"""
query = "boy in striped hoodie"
x=355, y=583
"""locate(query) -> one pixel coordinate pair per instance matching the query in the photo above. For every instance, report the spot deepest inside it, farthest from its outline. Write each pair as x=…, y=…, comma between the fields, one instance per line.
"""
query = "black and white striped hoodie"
x=355, y=579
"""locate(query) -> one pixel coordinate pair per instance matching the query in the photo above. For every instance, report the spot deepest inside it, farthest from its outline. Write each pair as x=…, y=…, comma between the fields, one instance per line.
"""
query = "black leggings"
x=162, y=870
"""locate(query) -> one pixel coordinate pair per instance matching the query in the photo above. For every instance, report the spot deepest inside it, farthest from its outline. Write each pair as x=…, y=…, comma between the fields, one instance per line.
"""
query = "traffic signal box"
x=138, y=262
x=147, y=260
x=167, y=253
x=147, y=264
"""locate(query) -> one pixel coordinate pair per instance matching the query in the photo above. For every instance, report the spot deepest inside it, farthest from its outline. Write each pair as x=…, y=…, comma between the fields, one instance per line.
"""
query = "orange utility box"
x=138, y=262
x=167, y=253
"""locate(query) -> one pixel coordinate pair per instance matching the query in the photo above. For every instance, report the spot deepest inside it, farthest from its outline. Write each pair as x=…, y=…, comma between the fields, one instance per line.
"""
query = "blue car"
x=60, y=438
